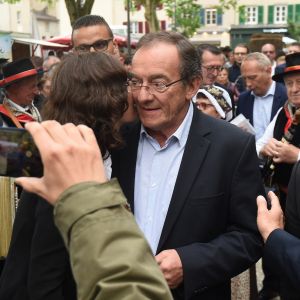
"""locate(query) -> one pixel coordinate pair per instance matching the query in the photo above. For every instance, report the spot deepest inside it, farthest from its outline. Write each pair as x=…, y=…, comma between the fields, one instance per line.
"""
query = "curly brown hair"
x=90, y=89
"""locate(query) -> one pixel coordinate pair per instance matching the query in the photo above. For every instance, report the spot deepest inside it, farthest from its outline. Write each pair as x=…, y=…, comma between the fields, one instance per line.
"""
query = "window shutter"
x=271, y=14
x=260, y=15
x=297, y=14
x=242, y=15
x=140, y=27
x=202, y=16
x=163, y=25
x=219, y=17
x=290, y=13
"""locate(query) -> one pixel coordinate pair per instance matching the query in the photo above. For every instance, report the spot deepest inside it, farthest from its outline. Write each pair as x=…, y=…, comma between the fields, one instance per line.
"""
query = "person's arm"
x=282, y=250
x=109, y=255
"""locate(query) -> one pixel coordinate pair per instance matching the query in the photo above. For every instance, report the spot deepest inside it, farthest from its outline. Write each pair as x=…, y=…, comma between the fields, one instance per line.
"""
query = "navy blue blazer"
x=211, y=220
x=246, y=102
x=282, y=249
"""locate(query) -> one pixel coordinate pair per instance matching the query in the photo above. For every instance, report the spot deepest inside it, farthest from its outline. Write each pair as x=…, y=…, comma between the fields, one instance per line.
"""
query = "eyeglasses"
x=152, y=87
x=213, y=68
x=204, y=105
x=100, y=45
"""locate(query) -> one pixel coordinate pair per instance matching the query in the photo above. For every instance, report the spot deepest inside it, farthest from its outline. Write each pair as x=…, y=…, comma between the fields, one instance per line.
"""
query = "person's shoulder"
x=280, y=87
x=243, y=98
x=223, y=129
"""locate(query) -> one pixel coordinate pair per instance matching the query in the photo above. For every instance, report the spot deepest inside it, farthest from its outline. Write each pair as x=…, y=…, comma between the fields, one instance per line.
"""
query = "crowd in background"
x=223, y=83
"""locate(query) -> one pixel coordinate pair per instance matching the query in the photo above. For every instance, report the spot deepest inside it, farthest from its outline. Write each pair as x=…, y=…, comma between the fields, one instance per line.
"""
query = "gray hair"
x=190, y=66
x=261, y=59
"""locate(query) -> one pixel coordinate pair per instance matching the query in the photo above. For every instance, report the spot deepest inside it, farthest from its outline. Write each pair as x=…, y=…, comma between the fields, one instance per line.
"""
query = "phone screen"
x=18, y=154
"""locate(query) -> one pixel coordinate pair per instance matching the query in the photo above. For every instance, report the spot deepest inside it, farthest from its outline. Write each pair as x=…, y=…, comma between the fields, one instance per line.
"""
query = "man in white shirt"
x=264, y=97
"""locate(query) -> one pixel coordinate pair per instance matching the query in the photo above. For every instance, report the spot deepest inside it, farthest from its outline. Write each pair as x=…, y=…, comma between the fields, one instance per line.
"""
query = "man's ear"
x=116, y=48
x=193, y=87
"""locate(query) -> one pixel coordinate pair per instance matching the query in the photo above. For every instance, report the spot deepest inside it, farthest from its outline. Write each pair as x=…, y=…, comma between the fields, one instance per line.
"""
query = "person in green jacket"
x=109, y=255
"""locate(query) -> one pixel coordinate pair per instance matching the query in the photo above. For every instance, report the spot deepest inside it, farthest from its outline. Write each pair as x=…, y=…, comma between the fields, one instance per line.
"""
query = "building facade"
x=36, y=19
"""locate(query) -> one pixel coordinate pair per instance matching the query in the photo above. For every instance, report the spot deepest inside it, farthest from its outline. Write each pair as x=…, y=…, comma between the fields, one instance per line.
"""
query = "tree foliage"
x=185, y=15
x=78, y=8
x=294, y=30
x=150, y=7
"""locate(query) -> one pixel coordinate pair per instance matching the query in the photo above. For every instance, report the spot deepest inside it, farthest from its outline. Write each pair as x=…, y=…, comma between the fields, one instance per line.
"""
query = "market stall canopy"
x=287, y=40
x=43, y=43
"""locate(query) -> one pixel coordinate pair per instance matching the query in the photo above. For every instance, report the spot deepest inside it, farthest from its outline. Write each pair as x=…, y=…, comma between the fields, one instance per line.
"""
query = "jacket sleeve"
x=109, y=256
x=282, y=252
x=207, y=264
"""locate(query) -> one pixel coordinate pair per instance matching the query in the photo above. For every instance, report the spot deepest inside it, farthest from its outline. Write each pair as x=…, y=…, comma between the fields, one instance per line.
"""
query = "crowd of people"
x=156, y=195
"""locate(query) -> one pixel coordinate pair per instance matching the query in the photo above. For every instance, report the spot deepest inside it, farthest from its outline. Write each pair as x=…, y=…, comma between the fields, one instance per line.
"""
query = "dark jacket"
x=282, y=250
x=37, y=266
x=211, y=220
x=246, y=102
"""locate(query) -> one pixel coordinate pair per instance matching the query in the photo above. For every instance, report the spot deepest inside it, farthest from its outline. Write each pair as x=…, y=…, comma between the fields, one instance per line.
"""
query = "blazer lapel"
x=194, y=154
x=251, y=107
x=276, y=101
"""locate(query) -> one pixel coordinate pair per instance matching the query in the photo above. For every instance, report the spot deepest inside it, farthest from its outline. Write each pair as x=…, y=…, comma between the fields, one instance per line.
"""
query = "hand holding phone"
x=18, y=154
x=70, y=155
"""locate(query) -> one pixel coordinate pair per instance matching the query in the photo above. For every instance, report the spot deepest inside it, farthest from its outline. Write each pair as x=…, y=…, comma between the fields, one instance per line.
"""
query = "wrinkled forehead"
x=156, y=58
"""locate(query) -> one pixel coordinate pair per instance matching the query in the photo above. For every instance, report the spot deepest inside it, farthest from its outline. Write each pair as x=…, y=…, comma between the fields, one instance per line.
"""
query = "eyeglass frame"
x=213, y=68
x=93, y=45
x=204, y=105
x=149, y=88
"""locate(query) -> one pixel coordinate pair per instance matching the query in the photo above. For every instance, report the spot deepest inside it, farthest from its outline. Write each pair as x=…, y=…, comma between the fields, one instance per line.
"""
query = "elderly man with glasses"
x=191, y=180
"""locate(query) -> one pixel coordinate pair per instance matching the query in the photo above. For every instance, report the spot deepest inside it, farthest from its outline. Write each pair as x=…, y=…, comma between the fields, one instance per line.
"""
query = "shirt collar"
x=270, y=91
x=181, y=134
x=18, y=107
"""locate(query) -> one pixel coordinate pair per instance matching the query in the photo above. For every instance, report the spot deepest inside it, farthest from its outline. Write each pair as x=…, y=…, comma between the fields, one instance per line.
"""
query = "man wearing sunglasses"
x=92, y=33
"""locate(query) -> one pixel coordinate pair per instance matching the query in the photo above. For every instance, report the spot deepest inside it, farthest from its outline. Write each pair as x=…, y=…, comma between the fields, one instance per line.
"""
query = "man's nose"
x=144, y=94
x=35, y=90
x=248, y=84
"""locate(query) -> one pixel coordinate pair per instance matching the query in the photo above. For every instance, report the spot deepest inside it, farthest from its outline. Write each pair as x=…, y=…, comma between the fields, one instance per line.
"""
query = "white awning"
x=287, y=40
x=28, y=41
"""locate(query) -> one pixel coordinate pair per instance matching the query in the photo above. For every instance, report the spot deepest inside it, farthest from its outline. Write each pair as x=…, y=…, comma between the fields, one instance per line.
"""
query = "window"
x=280, y=14
x=211, y=17
x=251, y=15
x=18, y=17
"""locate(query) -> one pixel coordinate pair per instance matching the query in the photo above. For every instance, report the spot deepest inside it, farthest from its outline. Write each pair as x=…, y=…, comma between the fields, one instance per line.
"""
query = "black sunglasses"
x=100, y=45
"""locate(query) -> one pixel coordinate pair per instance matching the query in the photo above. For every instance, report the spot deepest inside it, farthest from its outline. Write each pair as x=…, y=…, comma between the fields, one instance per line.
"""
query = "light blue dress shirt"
x=262, y=110
x=155, y=176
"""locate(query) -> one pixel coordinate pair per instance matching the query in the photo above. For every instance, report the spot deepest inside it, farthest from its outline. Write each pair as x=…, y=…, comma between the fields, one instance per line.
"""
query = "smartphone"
x=18, y=154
